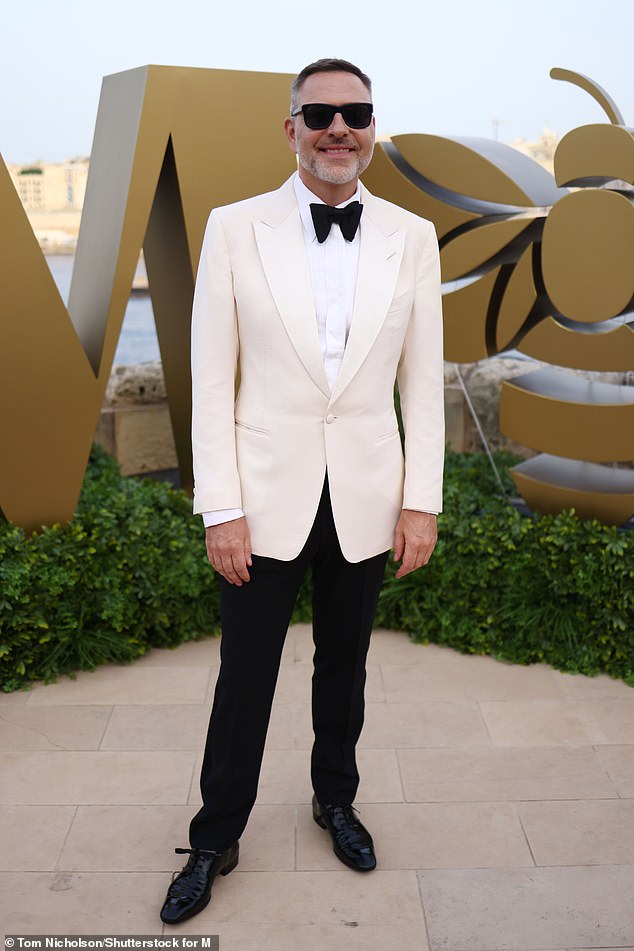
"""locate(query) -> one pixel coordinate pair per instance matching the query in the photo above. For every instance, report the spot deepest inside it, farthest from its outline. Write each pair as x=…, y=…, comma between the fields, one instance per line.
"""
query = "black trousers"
x=255, y=618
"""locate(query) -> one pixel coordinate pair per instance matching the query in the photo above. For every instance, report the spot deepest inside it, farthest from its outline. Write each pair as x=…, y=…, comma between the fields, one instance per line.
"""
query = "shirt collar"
x=304, y=200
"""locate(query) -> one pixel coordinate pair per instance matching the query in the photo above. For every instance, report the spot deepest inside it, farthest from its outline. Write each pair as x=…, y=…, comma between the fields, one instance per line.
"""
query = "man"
x=307, y=308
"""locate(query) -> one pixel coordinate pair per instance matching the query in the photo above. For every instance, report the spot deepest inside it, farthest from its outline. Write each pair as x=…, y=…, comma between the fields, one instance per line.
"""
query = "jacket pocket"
x=251, y=429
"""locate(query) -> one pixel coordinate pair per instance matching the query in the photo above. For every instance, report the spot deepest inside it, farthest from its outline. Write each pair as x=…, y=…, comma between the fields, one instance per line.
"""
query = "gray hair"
x=326, y=66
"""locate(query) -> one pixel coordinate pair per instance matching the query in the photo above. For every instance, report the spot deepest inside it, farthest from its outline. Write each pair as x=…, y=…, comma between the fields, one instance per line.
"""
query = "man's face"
x=338, y=154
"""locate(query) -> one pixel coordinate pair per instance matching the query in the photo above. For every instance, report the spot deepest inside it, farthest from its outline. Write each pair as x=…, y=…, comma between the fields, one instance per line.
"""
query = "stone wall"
x=483, y=383
x=135, y=425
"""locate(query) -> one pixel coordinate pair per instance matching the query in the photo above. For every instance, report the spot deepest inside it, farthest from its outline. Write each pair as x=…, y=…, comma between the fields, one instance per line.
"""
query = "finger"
x=240, y=567
x=230, y=574
x=236, y=563
x=428, y=550
x=416, y=555
x=414, y=559
x=399, y=544
x=224, y=556
x=408, y=563
x=406, y=569
x=227, y=569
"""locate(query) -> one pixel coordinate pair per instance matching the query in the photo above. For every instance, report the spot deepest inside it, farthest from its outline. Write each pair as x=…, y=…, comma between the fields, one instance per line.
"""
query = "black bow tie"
x=347, y=218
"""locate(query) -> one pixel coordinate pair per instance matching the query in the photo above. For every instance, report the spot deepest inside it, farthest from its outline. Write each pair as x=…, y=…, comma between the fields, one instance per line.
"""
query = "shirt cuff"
x=221, y=515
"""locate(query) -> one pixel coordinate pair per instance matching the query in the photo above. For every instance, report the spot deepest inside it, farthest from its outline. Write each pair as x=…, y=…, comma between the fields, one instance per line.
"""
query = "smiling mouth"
x=337, y=150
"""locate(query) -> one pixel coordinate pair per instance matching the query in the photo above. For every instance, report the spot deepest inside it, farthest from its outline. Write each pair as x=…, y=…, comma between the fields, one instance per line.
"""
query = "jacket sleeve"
x=214, y=368
x=421, y=387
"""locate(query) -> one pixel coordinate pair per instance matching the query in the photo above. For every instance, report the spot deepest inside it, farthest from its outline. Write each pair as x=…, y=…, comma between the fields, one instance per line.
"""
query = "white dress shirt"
x=333, y=267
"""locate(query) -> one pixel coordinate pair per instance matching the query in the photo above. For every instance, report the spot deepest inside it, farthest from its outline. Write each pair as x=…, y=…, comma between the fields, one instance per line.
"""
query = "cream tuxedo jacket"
x=265, y=424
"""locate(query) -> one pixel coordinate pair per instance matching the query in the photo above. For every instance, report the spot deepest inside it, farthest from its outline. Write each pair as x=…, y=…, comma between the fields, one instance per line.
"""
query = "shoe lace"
x=345, y=813
x=184, y=884
x=345, y=821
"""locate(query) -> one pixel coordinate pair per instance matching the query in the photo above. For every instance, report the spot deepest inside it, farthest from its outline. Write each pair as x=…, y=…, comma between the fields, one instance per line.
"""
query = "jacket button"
x=330, y=418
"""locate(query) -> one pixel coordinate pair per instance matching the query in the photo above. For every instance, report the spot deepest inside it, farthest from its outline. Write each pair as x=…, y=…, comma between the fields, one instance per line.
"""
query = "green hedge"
x=129, y=573
x=552, y=588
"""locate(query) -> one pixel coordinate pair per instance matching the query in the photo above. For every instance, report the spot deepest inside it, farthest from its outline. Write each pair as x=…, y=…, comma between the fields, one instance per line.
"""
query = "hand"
x=229, y=550
x=414, y=540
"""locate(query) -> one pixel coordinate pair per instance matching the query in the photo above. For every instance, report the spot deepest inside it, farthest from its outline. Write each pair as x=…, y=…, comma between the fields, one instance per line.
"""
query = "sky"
x=449, y=67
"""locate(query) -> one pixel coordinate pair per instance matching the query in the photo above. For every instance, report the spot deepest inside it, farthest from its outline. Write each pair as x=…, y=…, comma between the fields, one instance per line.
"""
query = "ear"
x=289, y=129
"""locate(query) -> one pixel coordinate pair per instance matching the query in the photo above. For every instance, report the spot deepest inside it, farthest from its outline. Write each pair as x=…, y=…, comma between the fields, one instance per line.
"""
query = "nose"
x=338, y=126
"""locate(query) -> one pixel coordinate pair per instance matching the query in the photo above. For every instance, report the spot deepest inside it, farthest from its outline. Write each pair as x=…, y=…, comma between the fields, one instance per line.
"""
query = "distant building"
x=44, y=186
x=53, y=196
x=542, y=151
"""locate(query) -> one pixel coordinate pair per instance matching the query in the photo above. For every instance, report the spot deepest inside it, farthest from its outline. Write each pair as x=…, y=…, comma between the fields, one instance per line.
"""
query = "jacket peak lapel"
x=283, y=254
x=380, y=258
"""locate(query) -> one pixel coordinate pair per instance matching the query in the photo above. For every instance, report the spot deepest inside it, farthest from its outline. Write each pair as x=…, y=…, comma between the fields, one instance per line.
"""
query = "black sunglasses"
x=319, y=115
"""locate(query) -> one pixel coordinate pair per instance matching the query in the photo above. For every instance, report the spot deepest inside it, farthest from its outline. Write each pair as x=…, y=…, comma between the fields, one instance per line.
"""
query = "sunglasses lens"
x=317, y=116
x=356, y=115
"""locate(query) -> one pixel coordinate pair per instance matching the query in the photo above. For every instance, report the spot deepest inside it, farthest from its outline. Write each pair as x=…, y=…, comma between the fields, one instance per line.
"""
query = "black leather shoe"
x=190, y=890
x=352, y=842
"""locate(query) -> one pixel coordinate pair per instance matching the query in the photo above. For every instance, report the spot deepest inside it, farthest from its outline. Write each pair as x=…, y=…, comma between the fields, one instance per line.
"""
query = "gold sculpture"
x=540, y=268
x=167, y=148
x=547, y=271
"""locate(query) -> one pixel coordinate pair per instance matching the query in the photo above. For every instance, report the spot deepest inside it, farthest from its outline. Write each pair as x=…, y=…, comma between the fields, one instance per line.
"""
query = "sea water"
x=138, y=342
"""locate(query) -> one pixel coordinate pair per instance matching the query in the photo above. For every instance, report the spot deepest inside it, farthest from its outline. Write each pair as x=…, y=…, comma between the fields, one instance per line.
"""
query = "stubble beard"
x=326, y=171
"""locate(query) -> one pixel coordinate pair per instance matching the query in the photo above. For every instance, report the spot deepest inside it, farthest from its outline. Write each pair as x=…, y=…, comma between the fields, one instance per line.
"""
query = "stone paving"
x=500, y=798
